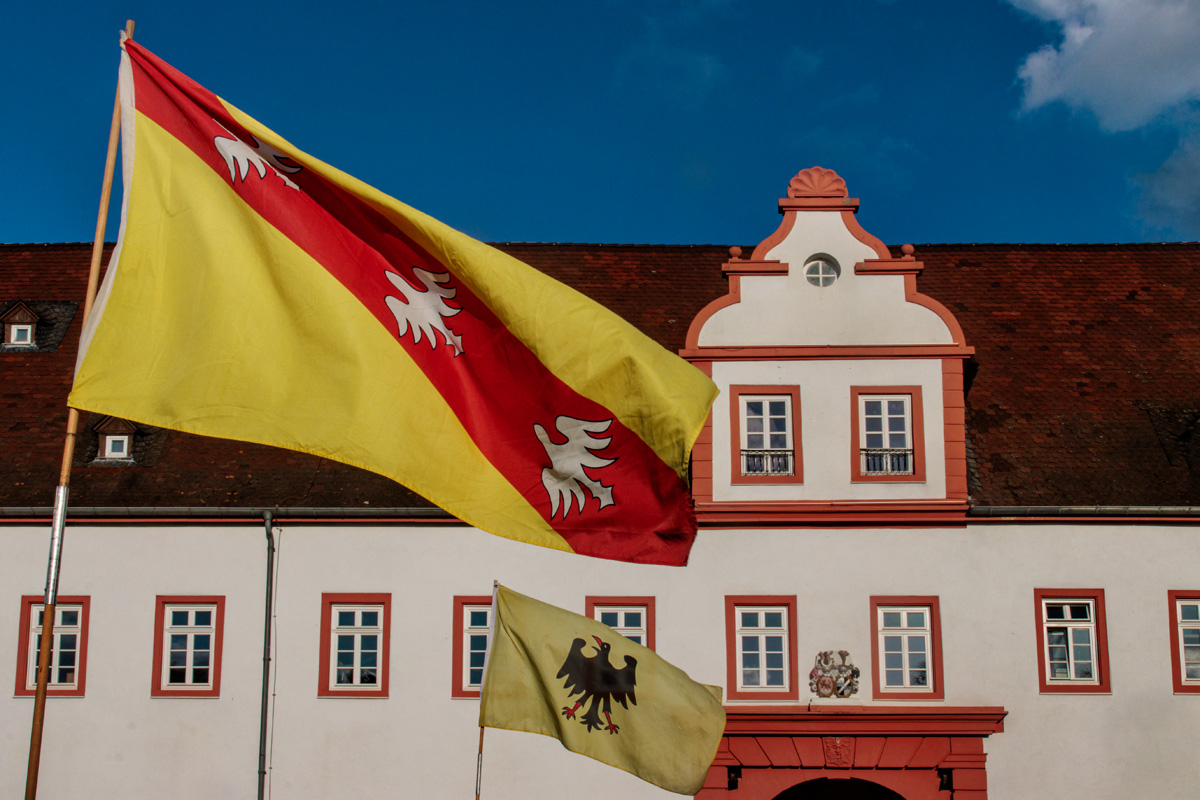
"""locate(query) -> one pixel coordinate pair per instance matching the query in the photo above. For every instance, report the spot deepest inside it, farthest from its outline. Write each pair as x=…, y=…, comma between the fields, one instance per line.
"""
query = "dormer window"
x=115, y=440
x=20, y=334
x=116, y=446
x=19, y=322
x=767, y=443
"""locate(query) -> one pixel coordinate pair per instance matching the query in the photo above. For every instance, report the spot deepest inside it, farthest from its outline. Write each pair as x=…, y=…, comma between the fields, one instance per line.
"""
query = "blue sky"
x=658, y=121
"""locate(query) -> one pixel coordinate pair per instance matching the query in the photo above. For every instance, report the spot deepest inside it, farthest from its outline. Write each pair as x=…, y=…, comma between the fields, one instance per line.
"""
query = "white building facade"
x=878, y=632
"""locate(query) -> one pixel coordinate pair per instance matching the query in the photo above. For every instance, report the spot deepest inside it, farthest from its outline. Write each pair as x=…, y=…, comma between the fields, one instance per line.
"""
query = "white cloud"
x=1126, y=61
x=1171, y=196
x=1133, y=64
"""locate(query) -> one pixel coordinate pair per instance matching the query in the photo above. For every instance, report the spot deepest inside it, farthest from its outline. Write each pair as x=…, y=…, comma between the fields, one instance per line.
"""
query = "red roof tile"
x=1085, y=387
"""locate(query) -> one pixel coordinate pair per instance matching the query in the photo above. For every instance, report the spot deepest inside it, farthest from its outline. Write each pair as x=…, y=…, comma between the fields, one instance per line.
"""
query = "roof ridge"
x=1062, y=245
x=660, y=245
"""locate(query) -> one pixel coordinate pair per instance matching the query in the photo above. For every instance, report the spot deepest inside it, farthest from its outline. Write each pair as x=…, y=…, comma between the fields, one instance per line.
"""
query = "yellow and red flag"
x=259, y=294
x=603, y=696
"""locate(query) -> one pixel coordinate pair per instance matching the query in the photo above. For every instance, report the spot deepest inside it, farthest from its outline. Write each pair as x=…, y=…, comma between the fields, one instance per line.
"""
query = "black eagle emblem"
x=599, y=681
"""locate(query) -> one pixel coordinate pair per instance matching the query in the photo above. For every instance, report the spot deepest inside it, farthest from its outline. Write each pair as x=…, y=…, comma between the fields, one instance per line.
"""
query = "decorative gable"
x=822, y=281
x=828, y=356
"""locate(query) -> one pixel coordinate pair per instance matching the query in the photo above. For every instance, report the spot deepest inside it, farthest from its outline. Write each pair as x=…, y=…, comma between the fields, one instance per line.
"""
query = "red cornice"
x=787, y=204
x=813, y=513
x=1083, y=518
x=243, y=520
x=889, y=266
x=716, y=514
x=841, y=720
x=823, y=351
x=737, y=266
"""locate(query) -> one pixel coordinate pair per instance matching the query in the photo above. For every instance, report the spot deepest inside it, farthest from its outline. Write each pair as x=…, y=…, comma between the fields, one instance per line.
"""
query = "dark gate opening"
x=838, y=789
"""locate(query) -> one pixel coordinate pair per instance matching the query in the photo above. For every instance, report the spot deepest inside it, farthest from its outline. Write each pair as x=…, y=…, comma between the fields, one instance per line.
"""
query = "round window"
x=821, y=270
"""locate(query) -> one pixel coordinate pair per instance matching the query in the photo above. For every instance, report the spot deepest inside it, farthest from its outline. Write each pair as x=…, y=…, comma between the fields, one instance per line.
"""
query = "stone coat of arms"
x=830, y=679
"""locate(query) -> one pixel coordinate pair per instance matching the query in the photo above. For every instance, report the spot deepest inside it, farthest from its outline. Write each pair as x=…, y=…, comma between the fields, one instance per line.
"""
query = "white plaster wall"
x=1138, y=741
x=825, y=427
x=117, y=742
x=778, y=310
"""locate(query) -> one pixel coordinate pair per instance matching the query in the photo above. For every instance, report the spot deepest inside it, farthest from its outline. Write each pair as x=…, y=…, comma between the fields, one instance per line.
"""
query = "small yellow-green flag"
x=603, y=696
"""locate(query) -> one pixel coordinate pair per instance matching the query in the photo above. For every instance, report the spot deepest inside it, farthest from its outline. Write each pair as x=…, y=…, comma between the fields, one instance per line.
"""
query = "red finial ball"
x=735, y=252
x=907, y=249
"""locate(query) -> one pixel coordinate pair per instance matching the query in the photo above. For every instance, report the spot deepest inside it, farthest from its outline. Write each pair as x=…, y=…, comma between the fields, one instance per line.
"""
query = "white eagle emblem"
x=240, y=157
x=564, y=479
x=424, y=312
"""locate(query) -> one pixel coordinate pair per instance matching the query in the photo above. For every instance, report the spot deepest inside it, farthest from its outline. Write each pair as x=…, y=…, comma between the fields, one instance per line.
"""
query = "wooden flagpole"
x=491, y=633
x=64, y=479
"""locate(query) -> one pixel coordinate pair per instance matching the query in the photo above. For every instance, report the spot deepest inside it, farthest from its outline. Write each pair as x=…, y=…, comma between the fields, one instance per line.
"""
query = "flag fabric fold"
x=259, y=294
x=560, y=674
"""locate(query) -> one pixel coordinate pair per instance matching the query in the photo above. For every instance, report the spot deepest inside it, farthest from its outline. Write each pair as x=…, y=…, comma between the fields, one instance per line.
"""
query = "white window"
x=762, y=647
x=767, y=435
x=476, y=619
x=885, y=437
x=189, y=635
x=65, y=655
x=116, y=445
x=629, y=621
x=357, y=638
x=904, y=641
x=20, y=334
x=1070, y=641
x=1187, y=614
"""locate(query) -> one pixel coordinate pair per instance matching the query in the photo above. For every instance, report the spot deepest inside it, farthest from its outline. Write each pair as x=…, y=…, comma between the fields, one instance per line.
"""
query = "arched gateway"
x=853, y=753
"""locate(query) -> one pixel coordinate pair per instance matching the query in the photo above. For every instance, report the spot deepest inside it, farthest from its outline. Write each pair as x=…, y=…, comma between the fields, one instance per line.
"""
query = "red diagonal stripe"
x=497, y=388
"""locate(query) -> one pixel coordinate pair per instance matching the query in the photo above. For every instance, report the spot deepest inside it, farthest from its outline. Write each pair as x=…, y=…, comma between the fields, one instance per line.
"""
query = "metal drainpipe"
x=266, y=679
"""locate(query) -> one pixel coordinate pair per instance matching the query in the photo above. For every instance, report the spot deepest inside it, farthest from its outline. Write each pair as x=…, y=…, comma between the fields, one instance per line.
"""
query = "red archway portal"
x=920, y=753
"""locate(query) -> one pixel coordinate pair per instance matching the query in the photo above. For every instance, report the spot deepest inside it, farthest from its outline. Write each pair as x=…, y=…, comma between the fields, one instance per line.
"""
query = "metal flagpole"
x=64, y=479
x=479, y=763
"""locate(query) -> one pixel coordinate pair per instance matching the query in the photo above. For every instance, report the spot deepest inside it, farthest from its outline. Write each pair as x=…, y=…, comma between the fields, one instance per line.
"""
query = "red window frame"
x=328, y=601
x=736, y=477
x=1096, y=596
x=1173, y=597
x=732, y=604
x=458, y=687
x=592, y=603
x=917, y=409
x=881, y=692
x=157, y=687
x=25, y=633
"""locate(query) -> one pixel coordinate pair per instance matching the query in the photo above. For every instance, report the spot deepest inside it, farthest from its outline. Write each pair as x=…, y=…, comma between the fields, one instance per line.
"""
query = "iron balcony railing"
x=768, y=462
x=886, y=462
